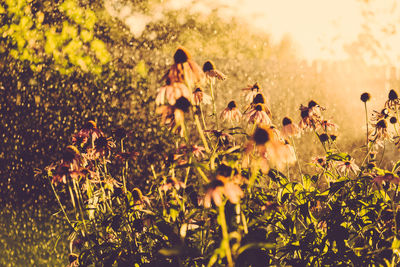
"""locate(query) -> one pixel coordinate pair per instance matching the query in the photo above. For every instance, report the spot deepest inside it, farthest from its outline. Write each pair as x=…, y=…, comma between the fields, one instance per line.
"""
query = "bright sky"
x=320, y=28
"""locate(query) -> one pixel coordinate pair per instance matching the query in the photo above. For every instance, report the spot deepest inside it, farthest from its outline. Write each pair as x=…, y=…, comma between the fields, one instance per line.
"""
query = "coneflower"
x=231, y=112
x=348, y=165
x=171, y=91
x=288, y=128
x=184, y=69
x=200, y=97
x=266, y=149
x=251, y=91
x=257, y=114
x=380, y=131
x=393, y=100
x=211, y=72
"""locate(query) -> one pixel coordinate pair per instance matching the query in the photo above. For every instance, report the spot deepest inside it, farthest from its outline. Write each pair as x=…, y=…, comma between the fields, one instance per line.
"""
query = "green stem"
x=214, y=105
x=125, y=168
x=366, y=122
x=225, y=235
x=61, y=206
x=201, y=133
x=297, y=159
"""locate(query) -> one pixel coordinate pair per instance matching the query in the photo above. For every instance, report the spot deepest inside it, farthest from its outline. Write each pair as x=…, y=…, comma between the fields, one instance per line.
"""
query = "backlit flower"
x=184, y=69
x=265, y=149
x=260, y=99
x=320, y=162
x=172, y=91
x=258, y=115
x=289, y=129
x=231, y=112
x=251, y=91
x=211, y=72
x=309, y=120
x=200, y=97
x=89, y=130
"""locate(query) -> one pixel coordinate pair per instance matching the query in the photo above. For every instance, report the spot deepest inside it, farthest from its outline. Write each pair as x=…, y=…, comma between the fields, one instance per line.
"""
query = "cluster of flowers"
x=268, y=146
x=384, y=125
x=90, y=147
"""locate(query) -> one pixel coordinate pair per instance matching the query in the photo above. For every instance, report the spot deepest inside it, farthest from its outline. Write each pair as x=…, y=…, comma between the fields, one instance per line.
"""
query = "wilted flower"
x=252, y=91
x=348, y=165
x=184, y=69
x=200, y=97
x=257, y=114
x=327, y=126
x=289, y=129
x=309, y=117
x=380, y=131
x=377, y=116
x=72, y=158
x=89, y=130
x=393, y=101
x=172, y=91
x=139, y=200
x=103, y=146
x=260, y=99
x=387, y=177
x=231, y=112
x=314, y=108
x=211, y=72
x=222, y=137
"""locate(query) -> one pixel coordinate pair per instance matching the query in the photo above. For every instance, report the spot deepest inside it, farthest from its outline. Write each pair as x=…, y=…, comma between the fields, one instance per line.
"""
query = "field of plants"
x=185, y=146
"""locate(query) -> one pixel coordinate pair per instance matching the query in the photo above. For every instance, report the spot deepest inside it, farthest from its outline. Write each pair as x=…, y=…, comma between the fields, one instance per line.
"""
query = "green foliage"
x=66, y=40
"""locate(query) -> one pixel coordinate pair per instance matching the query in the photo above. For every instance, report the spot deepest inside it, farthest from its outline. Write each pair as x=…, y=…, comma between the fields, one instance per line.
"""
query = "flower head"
x=222, y=186
x=289, y=129
x=231, y=112
x=200, y=97
x=184, y=69
x=380, y=132
x=258, y=114
x=348, y=165
x=365, y=97
x=174, y=116
x=393, y=100
x=251, y=91
x=172, y=91
x=211, y=72
x=266, y=149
